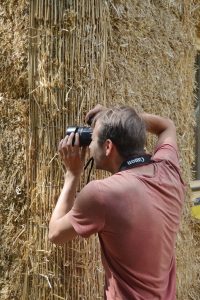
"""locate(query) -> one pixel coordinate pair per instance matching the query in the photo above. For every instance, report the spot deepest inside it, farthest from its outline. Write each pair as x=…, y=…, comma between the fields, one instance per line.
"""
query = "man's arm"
x=60, y=227
x=164, y=128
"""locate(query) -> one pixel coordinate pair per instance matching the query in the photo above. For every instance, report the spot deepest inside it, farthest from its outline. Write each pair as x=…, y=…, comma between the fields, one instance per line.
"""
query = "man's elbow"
x=172, y=127
x=171, y=123
x=59, y=237
x=168, y=125
x=55, y=238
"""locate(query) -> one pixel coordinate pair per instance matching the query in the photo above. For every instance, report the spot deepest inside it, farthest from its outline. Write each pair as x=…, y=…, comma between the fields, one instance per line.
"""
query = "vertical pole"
x=197, y=169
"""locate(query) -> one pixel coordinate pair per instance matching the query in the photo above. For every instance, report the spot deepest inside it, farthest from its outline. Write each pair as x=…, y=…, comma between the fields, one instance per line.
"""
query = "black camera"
x=85, y=134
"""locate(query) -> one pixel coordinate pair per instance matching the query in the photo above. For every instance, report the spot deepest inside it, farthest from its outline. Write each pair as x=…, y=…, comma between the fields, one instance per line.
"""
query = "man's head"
x=123, y=127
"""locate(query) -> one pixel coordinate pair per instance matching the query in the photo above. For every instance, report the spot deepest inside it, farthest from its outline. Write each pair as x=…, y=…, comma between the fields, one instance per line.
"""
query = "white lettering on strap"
x=136, y=160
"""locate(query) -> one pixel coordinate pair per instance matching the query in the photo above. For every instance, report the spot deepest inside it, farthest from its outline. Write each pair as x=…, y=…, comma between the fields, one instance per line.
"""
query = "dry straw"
x=81, y=53
x=13, y=145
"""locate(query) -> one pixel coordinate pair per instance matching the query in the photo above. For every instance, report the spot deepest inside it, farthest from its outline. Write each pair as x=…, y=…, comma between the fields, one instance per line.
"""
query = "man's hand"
x=92, y=113
x=73, y=156
x=60, y=227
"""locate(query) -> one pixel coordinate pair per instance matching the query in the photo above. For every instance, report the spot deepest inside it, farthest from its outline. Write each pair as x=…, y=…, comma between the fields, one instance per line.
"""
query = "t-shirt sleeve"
x=87, y=216
x=167, y=152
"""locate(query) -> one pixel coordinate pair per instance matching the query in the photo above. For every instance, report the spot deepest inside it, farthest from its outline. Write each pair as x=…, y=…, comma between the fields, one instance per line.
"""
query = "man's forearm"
x=66, y=198
x=156, y=124
x=60, y=229
x=164, y=128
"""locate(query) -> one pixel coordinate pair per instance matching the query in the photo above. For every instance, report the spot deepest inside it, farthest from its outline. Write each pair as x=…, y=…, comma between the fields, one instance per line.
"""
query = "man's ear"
x=108, y=147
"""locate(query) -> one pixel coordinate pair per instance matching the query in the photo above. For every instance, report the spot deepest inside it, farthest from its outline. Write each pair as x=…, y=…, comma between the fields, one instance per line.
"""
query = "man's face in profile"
x=97, y=151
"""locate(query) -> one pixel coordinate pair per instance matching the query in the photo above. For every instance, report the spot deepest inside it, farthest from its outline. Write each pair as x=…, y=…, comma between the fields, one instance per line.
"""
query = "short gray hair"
x=124, y=127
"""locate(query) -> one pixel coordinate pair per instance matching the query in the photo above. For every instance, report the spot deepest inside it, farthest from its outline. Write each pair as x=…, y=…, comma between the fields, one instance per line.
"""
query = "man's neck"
x=115, y=164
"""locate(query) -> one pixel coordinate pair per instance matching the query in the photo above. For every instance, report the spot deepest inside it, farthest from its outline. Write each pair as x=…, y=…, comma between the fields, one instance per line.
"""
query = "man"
x=136, y=211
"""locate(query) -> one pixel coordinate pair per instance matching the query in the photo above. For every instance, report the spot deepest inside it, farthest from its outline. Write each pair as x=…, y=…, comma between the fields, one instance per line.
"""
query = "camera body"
x=85, y=134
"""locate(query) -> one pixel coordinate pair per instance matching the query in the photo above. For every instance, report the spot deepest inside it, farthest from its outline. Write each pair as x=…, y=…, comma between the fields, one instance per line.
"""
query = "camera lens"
x=85, y=134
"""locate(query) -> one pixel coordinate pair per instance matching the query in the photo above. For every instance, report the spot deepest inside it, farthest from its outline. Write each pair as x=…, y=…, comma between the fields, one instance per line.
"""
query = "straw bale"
x=13, y=137
x=151, y=59
x=196, y=13
x=13, y=207
x=81, y=53
x=140, y=53
x=14, y=48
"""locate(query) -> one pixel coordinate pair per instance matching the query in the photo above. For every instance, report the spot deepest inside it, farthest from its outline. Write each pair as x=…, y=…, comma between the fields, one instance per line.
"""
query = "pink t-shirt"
x=137, y=218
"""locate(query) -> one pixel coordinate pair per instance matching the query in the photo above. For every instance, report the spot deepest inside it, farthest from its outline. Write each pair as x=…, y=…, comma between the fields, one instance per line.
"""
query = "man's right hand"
x=73, y=156
x=92, y=113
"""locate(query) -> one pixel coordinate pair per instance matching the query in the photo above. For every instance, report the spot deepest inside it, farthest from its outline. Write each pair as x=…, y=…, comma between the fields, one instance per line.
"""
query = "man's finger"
x=83, y=153
x=60, y=146
x=70, y=139
x=93, y=112
x=60, y=143
x=76, y=142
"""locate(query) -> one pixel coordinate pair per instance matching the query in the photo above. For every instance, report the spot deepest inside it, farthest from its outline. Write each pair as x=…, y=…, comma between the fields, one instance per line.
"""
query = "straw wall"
x=14, y=48
x=13, y=144
x=81, y=53
x=67, y=53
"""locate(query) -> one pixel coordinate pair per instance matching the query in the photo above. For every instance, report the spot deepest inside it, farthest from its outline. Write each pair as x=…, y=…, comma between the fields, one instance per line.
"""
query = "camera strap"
x=91, y=163
x=132, y=162
x=136, y=161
